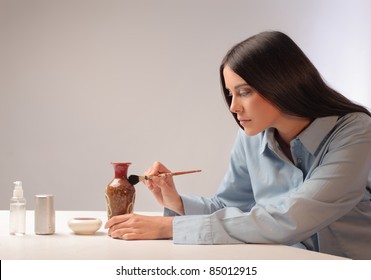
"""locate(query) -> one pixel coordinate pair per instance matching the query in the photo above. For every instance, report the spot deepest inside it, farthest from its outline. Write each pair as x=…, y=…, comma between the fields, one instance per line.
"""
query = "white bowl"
x=84, y=225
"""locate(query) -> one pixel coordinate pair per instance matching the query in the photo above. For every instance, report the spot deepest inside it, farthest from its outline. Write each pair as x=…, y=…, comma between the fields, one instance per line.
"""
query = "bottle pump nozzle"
x=18, y=190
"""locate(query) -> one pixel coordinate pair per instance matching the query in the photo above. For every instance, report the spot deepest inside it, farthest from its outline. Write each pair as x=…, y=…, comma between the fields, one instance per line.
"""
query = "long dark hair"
x=279, y=70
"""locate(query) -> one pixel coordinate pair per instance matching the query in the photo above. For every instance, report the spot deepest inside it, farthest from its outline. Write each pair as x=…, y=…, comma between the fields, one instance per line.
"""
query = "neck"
x=289, y=128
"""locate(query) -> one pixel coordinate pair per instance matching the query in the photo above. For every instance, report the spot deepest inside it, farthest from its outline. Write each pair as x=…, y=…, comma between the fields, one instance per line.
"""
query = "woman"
x=298, y=173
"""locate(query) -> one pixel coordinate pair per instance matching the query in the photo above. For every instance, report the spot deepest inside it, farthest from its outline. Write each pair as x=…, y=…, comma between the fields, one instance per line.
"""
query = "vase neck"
x=121, y=170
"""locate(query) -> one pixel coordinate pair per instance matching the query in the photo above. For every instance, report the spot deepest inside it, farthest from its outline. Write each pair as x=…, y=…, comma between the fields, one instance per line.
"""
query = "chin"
x=250, y=132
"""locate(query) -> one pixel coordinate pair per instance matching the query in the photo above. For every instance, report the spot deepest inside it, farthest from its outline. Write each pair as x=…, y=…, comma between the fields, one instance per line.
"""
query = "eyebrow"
x=239, y=86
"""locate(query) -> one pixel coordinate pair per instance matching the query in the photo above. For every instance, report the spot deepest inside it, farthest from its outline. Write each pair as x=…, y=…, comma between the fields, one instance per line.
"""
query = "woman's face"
x=254, y=113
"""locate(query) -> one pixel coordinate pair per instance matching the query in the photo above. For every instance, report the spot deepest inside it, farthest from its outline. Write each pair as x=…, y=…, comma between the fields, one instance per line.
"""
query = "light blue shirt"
x=320, y=201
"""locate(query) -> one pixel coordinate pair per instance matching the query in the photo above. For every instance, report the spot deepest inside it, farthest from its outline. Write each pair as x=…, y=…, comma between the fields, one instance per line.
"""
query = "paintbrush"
x=135, y=179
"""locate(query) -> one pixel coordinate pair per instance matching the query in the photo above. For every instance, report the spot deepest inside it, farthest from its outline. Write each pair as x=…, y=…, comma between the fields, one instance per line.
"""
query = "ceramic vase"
x=120, y=194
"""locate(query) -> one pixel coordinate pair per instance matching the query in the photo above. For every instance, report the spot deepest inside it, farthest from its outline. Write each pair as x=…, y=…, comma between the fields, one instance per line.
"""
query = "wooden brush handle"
x=177, y=173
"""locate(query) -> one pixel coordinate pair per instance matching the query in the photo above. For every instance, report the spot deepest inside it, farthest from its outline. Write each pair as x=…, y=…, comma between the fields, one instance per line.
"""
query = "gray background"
x=87, y=82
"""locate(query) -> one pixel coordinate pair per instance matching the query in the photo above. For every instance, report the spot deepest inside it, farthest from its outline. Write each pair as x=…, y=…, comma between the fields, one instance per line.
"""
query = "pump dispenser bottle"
x=17, y=222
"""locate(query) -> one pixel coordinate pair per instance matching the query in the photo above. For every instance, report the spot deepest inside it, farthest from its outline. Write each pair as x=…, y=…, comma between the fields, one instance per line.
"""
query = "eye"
x=245, y=92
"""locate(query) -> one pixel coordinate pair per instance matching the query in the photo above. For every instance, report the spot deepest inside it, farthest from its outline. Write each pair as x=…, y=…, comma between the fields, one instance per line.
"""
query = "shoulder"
x=356, y=117
x=355, y=122
x=353, y=127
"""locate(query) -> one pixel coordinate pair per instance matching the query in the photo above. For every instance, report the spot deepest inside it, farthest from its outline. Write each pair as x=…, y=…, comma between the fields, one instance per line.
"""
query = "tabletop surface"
x=65, y=245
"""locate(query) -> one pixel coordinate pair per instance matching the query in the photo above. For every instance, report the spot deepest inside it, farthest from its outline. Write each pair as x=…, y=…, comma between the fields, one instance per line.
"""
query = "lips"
x=243, y=121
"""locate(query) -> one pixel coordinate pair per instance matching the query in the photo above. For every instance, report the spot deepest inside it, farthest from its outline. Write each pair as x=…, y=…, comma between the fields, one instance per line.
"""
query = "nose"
x=235, y=107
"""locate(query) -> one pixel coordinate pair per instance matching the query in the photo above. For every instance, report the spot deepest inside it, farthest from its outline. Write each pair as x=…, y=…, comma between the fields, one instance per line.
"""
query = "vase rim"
x=117, y=163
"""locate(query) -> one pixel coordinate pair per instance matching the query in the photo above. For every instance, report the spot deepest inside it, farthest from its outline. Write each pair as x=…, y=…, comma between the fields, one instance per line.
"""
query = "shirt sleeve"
x=234, y=191
x=234, y=195
x=332, y=188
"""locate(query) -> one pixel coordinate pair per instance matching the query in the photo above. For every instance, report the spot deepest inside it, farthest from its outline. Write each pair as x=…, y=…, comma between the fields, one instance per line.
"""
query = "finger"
x=119, y=233
x=116, y=220
x=150, y=171
x=127, y=233
x=154, y=170
x=130, y=236
x=111, y=222
x=163, y=181
x=150, y=185
x=160, y=168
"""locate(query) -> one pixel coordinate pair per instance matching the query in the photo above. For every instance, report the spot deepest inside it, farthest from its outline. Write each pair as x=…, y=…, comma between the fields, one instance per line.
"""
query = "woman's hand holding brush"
x=163, y=188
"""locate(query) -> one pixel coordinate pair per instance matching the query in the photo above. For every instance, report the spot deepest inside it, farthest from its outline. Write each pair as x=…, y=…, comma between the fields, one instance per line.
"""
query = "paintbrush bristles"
x=135, y=179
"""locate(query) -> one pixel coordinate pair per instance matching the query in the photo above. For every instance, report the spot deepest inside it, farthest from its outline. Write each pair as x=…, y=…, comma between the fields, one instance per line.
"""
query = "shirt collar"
x=311, y=137
x=267, y=139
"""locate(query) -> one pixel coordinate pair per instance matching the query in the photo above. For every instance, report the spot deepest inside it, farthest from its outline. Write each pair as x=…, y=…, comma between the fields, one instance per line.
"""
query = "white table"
x=65, y=245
